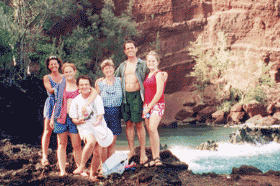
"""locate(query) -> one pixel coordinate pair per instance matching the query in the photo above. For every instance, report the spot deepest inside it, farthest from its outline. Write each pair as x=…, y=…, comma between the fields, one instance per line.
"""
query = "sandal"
x=149, y=163
x=158, y=162
x=100, y=174
x=45, y=162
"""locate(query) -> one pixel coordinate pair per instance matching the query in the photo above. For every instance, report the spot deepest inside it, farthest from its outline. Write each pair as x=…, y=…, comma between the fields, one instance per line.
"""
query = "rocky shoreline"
x=20, y=165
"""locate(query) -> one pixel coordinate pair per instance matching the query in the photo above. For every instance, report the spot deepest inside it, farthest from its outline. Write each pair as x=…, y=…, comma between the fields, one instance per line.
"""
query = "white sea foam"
x=228, y=156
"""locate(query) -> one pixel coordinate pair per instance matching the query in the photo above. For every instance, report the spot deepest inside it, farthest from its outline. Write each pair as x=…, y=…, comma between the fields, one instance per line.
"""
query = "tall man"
x=133, y=72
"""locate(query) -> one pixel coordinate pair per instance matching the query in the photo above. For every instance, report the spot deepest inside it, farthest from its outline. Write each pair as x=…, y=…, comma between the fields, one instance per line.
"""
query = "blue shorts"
x=113, y=118
x=69, y=126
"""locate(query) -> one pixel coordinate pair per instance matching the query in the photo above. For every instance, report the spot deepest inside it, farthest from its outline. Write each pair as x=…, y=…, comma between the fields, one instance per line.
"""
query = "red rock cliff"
x=250, y=24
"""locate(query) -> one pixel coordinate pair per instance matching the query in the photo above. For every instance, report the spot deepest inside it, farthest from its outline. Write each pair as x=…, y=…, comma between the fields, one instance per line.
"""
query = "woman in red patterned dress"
x=154, y=105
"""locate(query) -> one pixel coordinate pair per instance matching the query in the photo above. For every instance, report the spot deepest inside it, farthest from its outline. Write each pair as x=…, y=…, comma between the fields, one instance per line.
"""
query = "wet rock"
x=255, y=135
x=242, y=135
x=208, y=145
x=246, y=170
x=272, y=172
x=276, y=138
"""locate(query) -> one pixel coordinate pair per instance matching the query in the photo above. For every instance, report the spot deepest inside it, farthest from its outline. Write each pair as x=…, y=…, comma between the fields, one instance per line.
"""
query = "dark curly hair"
x=83, y=76
x=59, y=61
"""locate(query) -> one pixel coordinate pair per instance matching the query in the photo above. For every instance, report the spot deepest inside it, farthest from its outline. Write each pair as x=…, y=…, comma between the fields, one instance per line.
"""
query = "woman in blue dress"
x=53, y=64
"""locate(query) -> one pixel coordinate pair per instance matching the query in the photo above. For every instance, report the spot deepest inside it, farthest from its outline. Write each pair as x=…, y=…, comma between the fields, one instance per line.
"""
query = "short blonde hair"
x=153, y=53
x=107, y=62
x=67, y=64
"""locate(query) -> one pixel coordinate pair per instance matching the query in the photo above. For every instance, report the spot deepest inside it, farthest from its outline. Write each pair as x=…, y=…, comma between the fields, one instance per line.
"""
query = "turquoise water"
x=183, y=140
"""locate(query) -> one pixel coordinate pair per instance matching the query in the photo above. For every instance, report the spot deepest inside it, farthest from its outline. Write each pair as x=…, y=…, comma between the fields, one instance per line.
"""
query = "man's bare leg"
x=141, y=134
x=130, y=134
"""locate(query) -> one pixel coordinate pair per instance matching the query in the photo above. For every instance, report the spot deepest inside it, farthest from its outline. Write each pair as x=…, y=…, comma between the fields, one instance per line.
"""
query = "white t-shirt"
x=94, y=109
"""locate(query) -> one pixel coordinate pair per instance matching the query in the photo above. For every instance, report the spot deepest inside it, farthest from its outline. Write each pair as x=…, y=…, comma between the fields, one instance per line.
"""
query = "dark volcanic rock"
x=20, y=165
x=246, y=170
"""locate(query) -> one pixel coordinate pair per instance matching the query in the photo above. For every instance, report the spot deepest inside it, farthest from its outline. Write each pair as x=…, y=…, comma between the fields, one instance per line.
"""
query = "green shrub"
x=244, y=76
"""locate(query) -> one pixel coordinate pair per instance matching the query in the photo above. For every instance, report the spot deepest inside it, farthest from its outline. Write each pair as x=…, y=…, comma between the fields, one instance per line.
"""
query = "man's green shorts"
x=133, y=108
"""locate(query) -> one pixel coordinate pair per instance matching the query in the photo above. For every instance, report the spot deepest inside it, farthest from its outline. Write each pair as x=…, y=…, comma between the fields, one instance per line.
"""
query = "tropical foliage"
x=25, y=35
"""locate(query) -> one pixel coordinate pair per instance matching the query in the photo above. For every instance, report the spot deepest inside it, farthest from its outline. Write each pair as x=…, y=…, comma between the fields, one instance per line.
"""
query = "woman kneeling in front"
x=92, y=127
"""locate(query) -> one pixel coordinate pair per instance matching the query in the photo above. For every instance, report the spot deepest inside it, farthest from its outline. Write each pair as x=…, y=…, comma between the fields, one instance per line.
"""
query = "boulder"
x=190, y=120
x=270, y=108
x=220, y=120
x=236, y=108
x=218, y=114
x=257, y=119
x=246, y=170
x=190, y=102
x=200, y=106
x=205, y=113
x=276, y=115
x=255, y=108
x=269, y=120
x=277, y=107
x=236, y=117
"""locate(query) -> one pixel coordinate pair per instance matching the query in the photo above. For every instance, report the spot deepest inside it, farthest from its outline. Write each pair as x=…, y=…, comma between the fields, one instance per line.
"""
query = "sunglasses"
x=52, y=57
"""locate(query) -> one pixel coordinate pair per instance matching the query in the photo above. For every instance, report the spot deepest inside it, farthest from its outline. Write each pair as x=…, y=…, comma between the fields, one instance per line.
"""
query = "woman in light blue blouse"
x=111, y=92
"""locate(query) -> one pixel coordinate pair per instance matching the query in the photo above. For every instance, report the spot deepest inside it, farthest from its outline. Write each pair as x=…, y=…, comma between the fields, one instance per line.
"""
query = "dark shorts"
x=69, y=126
x=132, y=110
x=113, y=118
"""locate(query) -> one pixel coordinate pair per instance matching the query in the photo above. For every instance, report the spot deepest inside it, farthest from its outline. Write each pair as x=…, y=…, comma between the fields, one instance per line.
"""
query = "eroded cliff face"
x=252, y=24
x=249, y=24
x=176, y=23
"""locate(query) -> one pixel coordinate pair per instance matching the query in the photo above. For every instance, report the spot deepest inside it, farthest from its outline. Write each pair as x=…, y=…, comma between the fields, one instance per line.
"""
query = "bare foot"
x=143, y=159
x=45, y=162
x=62, y=174
x=130, y=154
x=78, y=171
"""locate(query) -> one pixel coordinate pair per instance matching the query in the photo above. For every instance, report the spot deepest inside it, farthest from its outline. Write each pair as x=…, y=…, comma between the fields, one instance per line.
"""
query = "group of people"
x=134, y=92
